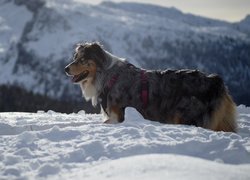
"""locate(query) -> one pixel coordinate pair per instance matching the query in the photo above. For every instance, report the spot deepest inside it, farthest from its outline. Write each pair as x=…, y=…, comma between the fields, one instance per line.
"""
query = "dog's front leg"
x=115, y=115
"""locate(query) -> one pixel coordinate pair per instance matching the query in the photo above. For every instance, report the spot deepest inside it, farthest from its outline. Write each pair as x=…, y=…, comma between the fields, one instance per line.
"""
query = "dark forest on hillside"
x=16, y=99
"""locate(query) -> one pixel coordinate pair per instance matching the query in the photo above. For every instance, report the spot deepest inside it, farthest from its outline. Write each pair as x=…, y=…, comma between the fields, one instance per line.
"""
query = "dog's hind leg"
x=115, y=115
x=223, y=118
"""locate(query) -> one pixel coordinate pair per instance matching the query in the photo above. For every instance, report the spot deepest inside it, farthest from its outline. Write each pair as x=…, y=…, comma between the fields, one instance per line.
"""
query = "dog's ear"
x=96, y=46
x=78, y=46
x=97, y=53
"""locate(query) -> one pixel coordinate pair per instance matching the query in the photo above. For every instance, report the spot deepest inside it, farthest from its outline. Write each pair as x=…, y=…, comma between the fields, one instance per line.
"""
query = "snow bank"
x=156, y=166
x=73, y=146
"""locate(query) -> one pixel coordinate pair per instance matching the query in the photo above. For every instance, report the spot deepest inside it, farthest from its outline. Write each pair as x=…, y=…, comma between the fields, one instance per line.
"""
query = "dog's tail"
x=224, y=116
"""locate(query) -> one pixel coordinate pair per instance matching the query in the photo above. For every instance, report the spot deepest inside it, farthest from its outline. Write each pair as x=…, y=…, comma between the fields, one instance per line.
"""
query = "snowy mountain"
x=244, y=25
x=38, y=36
x=50, y=145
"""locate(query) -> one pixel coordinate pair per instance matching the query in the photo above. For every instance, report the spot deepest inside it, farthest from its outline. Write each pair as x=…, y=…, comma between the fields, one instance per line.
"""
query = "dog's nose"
x=66, y=69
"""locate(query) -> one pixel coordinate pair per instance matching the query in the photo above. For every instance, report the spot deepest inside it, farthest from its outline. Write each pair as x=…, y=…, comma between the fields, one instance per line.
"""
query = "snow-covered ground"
x=50, y=145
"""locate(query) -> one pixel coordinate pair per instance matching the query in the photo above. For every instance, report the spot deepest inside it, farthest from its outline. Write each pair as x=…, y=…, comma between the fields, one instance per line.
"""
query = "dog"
x=184, y=96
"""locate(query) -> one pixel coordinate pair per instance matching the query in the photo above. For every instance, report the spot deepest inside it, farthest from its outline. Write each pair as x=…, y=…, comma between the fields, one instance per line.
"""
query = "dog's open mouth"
x=80, y=76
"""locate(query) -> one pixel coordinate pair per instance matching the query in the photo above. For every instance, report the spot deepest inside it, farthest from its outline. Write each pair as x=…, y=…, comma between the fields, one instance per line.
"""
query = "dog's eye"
x=84, y=62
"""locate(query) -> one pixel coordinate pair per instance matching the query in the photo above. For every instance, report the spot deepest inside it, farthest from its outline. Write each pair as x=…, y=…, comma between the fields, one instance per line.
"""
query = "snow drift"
x=74, y=146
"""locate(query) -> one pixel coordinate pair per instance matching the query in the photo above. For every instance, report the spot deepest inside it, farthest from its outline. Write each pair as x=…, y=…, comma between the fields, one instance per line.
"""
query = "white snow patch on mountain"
x=12, y=21
x=37, y=39
x=75, y=146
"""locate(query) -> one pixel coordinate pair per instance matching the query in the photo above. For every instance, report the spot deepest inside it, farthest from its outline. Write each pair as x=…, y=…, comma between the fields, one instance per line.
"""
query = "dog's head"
x=87, y=59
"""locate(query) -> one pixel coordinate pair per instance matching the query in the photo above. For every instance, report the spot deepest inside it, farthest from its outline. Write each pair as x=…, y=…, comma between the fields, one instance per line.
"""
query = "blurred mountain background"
x=37, y=39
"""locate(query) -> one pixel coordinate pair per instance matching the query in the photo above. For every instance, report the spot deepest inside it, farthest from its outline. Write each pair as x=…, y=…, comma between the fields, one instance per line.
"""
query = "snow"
x=12, y=22
x=156, y=166
x=53, y=145
x=12, y=19
x=125, y=29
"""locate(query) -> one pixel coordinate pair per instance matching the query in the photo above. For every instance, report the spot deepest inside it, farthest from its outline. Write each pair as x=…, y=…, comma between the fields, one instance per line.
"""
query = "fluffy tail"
x=224, y=116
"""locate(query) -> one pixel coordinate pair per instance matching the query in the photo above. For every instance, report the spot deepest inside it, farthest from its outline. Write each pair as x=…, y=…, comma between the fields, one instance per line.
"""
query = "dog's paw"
x=111, y=121
x=107, y=121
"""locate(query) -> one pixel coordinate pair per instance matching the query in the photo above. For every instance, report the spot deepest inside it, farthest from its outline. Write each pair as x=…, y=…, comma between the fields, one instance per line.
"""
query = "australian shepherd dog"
x=172, y=96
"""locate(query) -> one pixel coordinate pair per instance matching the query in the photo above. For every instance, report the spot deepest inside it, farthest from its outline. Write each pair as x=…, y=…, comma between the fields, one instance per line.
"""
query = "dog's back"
x=193, y=98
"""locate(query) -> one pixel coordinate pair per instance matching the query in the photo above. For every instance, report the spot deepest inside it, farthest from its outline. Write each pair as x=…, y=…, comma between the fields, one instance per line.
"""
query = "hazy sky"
x=230, y=10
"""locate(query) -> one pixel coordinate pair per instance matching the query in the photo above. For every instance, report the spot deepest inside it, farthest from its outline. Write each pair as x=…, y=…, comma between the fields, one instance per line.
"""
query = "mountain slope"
x=244, y=25
x=34, y=51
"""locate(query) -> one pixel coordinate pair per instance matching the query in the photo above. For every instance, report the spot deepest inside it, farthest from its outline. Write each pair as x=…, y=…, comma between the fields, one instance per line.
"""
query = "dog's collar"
x=144, y=88
x=112, y=81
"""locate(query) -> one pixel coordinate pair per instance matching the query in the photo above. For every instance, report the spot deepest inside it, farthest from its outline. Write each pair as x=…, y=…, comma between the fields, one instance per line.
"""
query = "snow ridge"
x=66, y=146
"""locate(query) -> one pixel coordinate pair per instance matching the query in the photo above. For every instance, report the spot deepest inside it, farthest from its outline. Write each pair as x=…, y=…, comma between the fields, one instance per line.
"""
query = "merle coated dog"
x=172, y=96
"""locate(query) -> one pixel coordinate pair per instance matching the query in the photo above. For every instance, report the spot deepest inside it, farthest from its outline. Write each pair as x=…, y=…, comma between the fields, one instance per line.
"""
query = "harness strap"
x=104, y=94
x=112, y=81
x=144, y=88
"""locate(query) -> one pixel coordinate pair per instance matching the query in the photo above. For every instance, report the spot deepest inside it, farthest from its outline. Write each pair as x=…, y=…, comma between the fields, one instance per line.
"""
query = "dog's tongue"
x=79, y=77
x=74, y=78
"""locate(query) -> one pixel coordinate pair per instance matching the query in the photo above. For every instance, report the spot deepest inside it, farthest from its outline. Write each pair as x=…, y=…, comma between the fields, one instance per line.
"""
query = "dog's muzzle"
x=76, y=78
x=80, y=77
x=66, y=69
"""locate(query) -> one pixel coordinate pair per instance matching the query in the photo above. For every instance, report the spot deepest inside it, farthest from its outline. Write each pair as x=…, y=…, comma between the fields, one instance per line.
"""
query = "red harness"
x=112, y=81
x=144, y=87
